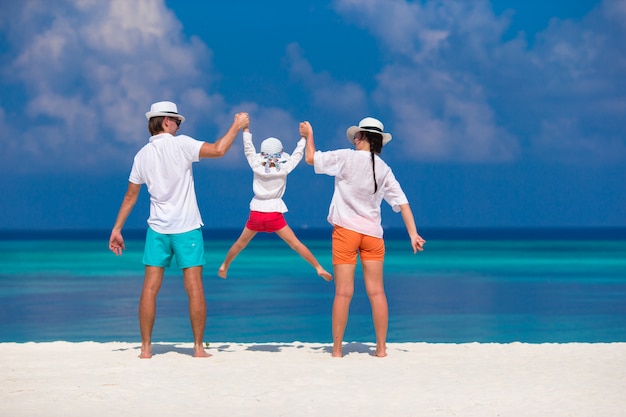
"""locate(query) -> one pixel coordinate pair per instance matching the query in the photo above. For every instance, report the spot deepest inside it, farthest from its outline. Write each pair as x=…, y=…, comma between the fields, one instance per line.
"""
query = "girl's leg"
x=344, y=290
x=294, y=243
x=373, y=276
x=243, y=240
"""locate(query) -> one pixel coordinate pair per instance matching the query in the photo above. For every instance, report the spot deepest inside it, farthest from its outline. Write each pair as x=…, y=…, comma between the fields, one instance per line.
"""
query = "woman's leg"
x=344, y=290
x=245, y=238
x=373, y=277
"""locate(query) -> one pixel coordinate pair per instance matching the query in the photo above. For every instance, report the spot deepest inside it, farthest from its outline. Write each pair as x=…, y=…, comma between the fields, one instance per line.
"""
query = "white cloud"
x=264, y=122
x=273, y=122
x=87, y=70
x=327, y=93
x=615, y=10
x=582, y=93
x=91, y=70
x=464, y=93
x=443, y=117
x=439, y=104
x=566, y=140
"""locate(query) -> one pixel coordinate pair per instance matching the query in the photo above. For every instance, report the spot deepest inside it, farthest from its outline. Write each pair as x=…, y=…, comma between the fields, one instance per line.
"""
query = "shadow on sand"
x=187, y=349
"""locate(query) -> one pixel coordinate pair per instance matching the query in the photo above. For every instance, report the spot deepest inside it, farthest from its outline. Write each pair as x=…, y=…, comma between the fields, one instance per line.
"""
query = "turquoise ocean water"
x=551, y=285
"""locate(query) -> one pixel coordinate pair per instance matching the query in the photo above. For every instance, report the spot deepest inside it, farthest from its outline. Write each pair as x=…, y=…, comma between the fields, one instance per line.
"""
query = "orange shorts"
x=346, y=243
x=266, y=222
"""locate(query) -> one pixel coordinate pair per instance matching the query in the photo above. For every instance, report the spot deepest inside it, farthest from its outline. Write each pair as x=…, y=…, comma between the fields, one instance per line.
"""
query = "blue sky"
x=504, y=113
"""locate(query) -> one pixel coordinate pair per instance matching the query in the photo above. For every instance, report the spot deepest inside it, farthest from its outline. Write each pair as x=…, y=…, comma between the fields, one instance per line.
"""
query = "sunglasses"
x=177, y=121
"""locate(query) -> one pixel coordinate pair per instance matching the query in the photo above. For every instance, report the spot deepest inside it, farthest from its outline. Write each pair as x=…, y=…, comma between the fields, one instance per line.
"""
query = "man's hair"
x=155, y=125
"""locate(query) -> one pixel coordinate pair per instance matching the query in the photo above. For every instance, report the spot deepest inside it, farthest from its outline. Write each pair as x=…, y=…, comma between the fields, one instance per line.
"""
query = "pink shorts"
x=265, y=222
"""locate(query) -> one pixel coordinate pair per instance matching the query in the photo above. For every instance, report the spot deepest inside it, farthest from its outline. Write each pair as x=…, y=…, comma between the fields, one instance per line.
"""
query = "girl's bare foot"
x=324, y=273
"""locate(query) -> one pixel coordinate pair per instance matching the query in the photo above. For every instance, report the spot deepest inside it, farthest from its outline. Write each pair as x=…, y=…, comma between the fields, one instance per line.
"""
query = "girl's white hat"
x=271, y=146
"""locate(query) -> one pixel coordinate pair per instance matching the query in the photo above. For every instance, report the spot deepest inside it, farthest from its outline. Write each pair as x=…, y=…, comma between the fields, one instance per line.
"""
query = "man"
x=165, y=166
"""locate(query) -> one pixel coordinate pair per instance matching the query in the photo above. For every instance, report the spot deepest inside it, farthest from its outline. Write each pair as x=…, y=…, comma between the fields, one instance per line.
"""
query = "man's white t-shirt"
x=165, y=166
x=354, y=205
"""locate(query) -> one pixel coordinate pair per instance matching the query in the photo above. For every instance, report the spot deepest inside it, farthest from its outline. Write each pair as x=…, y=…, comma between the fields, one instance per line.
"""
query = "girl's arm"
x=248, y=147
x=296, y=155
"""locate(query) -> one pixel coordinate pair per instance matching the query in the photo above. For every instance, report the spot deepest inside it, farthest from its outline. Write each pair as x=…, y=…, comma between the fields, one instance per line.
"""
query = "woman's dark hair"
x=155, y=125
x=376, y=147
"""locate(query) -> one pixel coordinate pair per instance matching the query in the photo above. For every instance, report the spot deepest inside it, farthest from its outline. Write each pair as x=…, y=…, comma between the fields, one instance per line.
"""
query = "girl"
x=271, y=167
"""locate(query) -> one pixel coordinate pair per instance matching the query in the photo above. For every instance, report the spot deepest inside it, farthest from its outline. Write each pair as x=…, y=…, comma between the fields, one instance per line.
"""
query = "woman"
x=362, y=181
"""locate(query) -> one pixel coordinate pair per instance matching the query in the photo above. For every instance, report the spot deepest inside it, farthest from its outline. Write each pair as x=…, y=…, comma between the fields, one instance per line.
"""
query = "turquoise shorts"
x=188, y=248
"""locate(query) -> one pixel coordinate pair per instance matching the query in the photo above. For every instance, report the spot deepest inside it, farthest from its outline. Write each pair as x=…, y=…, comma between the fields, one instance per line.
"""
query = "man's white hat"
x=164, y=108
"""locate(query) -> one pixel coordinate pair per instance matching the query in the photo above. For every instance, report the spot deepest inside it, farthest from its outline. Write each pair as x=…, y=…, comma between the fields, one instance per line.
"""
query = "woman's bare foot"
x=380, y=352
x=337, y=351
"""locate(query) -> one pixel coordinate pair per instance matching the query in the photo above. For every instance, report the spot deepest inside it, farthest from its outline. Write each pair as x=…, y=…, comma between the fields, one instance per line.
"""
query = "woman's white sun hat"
x=164, y=108
x=369, y=124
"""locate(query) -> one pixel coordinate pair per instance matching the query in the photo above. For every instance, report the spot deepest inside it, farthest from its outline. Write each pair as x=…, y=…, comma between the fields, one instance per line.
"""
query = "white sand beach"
x=302, y=379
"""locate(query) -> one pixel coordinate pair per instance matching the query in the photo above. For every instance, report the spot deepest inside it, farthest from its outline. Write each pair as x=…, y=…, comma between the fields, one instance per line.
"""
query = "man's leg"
x=147, y=307
x=197, y=308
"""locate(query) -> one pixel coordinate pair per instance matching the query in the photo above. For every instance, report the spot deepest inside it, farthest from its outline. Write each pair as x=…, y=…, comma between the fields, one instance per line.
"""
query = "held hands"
x=242, y=121
x=305, y=130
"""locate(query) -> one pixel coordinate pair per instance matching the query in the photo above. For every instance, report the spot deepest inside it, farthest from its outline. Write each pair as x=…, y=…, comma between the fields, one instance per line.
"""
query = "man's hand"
x=116, y=243
x=242, y=120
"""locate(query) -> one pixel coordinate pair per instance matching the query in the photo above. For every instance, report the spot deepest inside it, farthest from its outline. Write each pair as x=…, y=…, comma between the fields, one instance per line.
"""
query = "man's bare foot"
x=222, y=271
x=199, y=352
x=146, y=352
x=324, y=273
